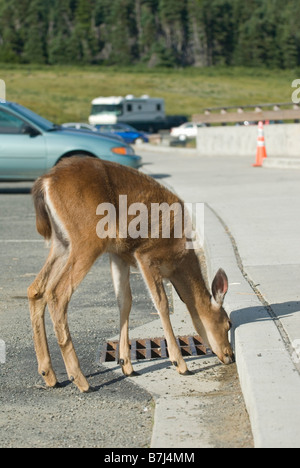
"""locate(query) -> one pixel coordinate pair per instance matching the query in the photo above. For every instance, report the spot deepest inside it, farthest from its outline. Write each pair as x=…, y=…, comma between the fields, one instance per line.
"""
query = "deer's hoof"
x=57, y=385
x=187, y=372
x=90, y=390
x=134, y=374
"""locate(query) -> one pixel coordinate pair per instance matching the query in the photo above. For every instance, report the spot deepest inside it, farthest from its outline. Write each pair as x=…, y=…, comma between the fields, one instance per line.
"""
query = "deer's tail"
x=43, y=223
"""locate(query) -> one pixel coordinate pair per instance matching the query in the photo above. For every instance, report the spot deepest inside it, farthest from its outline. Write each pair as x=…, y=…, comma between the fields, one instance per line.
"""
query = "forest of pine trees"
x=169, y=33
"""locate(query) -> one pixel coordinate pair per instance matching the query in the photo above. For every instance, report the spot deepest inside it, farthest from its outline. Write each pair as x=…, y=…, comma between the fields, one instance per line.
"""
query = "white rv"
x=143, y=113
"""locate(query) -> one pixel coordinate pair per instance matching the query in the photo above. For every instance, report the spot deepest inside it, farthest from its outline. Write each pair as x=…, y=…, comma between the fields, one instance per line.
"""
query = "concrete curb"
x=178, y=414
x=166, y=149
x=268, y=377
x=282, y=163
x=269, y=380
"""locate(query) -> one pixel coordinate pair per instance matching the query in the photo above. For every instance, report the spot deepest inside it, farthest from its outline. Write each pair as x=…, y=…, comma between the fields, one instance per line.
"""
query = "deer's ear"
x=219, y=288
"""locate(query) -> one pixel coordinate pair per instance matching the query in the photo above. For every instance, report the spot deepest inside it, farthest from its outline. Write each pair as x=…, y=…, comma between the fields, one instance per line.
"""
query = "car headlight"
x=123, y=150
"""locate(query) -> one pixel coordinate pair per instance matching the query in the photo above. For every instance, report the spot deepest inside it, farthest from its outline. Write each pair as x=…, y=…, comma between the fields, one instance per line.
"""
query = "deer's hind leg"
x=58, y=297
x=37, y=305
x=120, y=271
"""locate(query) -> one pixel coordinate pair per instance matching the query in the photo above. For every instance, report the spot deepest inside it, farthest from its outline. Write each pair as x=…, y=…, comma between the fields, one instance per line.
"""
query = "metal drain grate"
x=154, y=348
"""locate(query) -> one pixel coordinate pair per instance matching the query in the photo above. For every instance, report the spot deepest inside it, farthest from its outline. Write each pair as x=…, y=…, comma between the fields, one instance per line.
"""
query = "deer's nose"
x=229, y=359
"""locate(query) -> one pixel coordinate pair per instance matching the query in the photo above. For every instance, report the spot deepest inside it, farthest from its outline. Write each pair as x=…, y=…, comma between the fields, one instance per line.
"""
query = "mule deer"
x=66, y=203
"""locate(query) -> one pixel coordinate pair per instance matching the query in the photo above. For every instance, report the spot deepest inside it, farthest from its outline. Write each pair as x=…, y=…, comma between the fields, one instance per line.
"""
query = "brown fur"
x=66, y=201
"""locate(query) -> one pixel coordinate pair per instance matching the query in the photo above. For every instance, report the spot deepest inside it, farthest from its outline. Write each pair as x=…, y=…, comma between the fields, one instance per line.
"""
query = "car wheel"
x=79, y=155
x=139, y=141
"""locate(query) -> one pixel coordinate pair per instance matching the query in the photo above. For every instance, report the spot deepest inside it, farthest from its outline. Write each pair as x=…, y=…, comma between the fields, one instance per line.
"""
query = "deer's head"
x=216, y=322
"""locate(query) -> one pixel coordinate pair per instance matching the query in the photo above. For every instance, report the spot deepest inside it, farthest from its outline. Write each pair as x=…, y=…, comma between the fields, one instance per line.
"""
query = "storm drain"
x=154, y=348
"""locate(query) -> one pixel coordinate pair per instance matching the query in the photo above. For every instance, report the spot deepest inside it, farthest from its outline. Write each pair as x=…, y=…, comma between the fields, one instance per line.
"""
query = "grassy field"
x=64, y=94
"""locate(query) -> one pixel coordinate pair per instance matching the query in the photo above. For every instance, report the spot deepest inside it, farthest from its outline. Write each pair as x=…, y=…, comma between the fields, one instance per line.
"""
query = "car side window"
x=10, y=124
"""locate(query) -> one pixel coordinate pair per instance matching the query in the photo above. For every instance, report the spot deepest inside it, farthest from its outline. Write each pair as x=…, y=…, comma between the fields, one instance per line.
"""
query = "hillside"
x=64, y=94
x=169, y=33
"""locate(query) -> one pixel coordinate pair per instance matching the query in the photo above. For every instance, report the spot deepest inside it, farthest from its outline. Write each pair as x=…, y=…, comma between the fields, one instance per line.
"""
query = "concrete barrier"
x=282, y=141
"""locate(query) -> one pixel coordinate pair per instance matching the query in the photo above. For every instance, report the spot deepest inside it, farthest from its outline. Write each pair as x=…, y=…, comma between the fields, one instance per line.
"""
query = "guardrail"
x=280, y=112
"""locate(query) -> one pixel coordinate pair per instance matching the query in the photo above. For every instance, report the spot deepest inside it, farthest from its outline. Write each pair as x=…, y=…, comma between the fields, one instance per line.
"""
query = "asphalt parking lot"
x=121, y=412
x=118, y=414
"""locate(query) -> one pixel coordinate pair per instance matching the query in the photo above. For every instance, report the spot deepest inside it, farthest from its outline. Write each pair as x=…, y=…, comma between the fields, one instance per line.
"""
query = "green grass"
x=64, y=94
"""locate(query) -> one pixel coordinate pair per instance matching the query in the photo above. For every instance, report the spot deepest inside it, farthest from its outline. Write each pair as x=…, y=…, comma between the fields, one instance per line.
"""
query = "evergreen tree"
x=36, y=24
x=10, y=39
x=197, y=45
x=147, y=28
x=289, y=35
x=123, y=31
x=156, y=32
x=59, y=30
x=218, y=24
x=173, y=17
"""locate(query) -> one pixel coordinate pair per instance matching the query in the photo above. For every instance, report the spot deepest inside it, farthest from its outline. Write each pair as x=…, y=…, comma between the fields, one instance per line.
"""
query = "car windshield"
x=36, y=119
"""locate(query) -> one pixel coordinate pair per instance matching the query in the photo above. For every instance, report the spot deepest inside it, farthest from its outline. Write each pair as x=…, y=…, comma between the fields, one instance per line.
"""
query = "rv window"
x=129, y=107
x=116, y=109
x=158, y=107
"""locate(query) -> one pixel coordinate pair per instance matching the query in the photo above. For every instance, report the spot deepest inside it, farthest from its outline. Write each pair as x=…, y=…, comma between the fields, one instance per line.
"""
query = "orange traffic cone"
x=261, y=152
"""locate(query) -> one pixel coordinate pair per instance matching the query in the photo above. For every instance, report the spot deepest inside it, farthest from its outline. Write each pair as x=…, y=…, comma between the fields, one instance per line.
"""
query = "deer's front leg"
x=154, y=281
x=120, y=272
